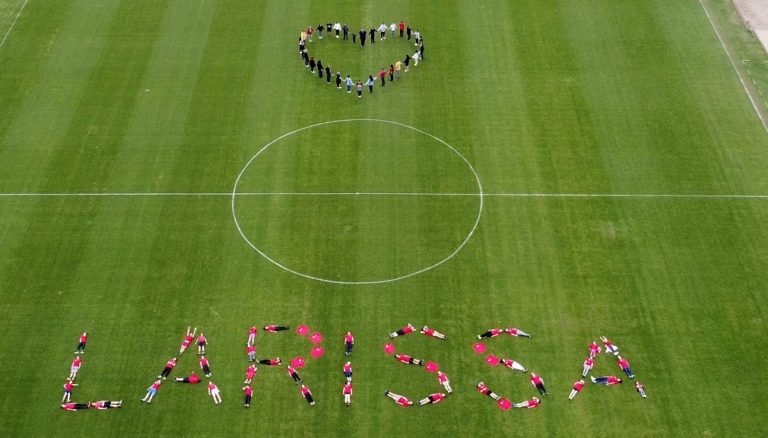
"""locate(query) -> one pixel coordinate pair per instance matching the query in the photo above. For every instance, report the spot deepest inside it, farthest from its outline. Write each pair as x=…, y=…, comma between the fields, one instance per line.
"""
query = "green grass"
x=601, y=97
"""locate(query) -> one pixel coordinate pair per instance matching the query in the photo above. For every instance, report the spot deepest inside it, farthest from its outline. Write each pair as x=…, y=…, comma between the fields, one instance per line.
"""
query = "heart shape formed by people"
x=392, y=51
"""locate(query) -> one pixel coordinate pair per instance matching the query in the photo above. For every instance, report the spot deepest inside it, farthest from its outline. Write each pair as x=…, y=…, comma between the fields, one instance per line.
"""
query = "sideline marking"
x=733, y=64
x=484, y=195
x=13, y=23
x=479, y=194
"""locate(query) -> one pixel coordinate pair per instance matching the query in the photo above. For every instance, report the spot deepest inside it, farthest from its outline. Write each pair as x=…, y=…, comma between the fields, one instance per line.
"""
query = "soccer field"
x=570, y=168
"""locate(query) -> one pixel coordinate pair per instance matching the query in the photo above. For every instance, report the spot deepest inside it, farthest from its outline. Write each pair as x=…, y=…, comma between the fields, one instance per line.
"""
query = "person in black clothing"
x=327, y=74
x=354, y=38
x=312, y=65
x=407, y=61
x=320, y=69
x=305, y=57
x=362, y=37
x=408, y=31
x=345, y=30
x=328, y=27
x=370, y=83
x=320, y=30
x=372, y=35
x=421, y=50
x=338, y=80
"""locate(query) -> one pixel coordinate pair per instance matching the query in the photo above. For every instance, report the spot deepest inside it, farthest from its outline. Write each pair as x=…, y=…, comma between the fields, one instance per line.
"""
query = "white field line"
x=385, y=194
x=13, y=23
x=733, y=64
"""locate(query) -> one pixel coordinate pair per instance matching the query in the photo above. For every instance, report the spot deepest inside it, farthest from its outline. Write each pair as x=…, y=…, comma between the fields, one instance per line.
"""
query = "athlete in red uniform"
x=151, y=391
x=432, y=398
x=482, y=389
x=538, y=383
x=250, y=350
x=432, y=332
x=517, y=332
x=515, y=365
x=640, y=389
x=202, y=341
x=188, y=337
x=68, y=391
x=252, y=335
x=168, y=368
x=271, y=362
x=577, y=387
x=349, y=342
x=75, y=367
x=193, y=379
x=275, y=328
x=347, y=391
x=81, y=344
x=75, y=406
x=294, y=374
x=492, y=333
x=624, y=365
x=249, y=373
x=205, y=366
x=307, y=395
x=403, y=331
x=214, y=392
x=530, y=404
x=594, y=350
x=404, y=358
x=609, y=347
x=107, y=404
x=588, y=364
x=606, y=380
x=399, y=399
x=248, y=391
x=348, y=371
x=443, y=380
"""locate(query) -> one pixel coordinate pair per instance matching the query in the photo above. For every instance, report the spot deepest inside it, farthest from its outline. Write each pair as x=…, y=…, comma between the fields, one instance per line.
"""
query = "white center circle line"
x=469, y=235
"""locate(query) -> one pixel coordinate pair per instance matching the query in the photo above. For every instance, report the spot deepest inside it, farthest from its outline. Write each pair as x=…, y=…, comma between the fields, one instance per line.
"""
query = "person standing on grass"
x=370, y=83
x=349, y=83
x=307, y=394
x=392, y=28
x=391, y=72
x=401, y=26
x=168, y=368
x=398, y=66
x=382, y=76
x=327, y=74
x=421, y=50
x=416, y=37
x=151, y=391
x=408, y=31
x=310, y=30
x=382, y=31
x=202, y=341
x=443, y=380
x=338, y=80
x=205, y=366
x=77, y=362
x=249, y=373
x=214, y=392
x=349, y=342
x=81, y=344
x=577, y=387
x=407, y=61
x=188, y=337
x=347, y=392
x=588, y=364
x=372, y=35
x=312, y=65
x=359, y=89
x=68, y=391
x=191, y=379
x=337, y=28
x=248, y=391
x=345, y=31
x=320, y=31
x=320, y=69
x=363, y=34
x=416, y=59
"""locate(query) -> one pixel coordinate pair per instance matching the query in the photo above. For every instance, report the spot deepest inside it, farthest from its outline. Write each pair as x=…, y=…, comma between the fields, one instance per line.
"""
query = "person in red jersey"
x=202, y=342
x=349, y=342
x=403, y=331
x=640, y=389
x=443, y=380
x=214, y=392
x=347, y=392
x=538, y=383
x=432, y=332
x=307, y=394
x=188, y=337
x=294, y=374
x=577, y=387
x=588, y=364
x=432, y=398
x=401, y=26
x=530, y=404
x=77, y=362
x=250, y=350
x=482, y=389
x=151, y=391
x=492, y=333
x=624, y=365
x=81, y=344
x=249, y=373
x=68, y=391
x=404, y=358
x=348, y=371
x=399, y=399
x=248, y=392
x=514, y=365
x=168, y=368
x=252, y=335
x=192, y=378
x=594, y=350
x=606, y=380
x=107, y=404
x=205, y=366
x=517, y=332
x=271, y=362
x=609, y=347
x=75, y=406
x=275, y=328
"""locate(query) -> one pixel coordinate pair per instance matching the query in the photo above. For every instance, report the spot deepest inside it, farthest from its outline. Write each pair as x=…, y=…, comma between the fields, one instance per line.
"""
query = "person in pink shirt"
x=349, y=342
x=188, y=337
x=151, y=391
x=538, y=383
x=107, y=404
x=249, y=373
x=77, y=362
x=347, y=392
x=75, y=406
x=399, y=399
x=492, y=333
x=594, y=350
x=606, y=380
x=432, y=332
x=294, y=374
x=275, y=328
x=192, y=378
x=577, y=387
x=514, y=365
x=81, y=344
x=205, y=366
x=202, y=341
x=517, y=332
x=168, y=368
x=483, y=389
x=248, y=391
x=443, y=380
x=307, y=394
x=214, y=392
x=404, y=358
x=250, y=350
x=348, y=371
x=68, y=391
x=609, y=347
x=640, y=389
x=432, y=398
x=403, y=331
x=252, y=335
x=624, y=365
x=271, y=362
x=530, y=404
x=588, y=364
